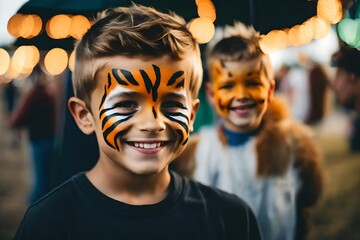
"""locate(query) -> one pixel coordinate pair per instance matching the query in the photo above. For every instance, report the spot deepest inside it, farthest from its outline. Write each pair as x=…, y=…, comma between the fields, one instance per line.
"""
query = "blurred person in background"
x=346, y=86
x=10, y=99
x=36, y=113
x=305, y=87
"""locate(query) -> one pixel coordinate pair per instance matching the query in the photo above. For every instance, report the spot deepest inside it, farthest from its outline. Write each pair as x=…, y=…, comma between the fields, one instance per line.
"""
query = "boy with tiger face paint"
x=136, y=80
x=144, y=111
x=255, y=150
x=241, y=91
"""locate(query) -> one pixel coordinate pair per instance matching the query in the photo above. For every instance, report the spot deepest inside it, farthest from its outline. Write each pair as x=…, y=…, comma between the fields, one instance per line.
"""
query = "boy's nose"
x=151, y=121
x=241, y=92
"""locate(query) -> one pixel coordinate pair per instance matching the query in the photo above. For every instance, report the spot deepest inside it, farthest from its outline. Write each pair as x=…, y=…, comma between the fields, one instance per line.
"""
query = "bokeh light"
x=58, y=27
x=56, y=61
x=4, y=60
x=202, y=29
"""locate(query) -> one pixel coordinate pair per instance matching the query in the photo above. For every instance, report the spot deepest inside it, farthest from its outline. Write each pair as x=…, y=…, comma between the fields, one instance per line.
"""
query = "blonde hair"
x=135, y=31
x=238, y=43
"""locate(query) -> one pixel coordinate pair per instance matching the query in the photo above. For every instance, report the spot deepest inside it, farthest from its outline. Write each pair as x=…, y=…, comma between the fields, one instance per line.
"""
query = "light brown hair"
x=238, y=43
x=135, y=32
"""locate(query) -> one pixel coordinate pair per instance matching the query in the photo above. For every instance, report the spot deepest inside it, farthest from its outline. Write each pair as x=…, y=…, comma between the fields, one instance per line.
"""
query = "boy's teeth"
x=147, y=145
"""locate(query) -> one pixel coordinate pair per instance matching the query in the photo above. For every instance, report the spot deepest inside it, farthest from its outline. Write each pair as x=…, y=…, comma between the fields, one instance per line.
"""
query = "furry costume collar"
x=278, y=141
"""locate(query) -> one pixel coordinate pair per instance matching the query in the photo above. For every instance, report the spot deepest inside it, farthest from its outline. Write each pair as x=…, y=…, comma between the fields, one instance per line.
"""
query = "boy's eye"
x=172, y=105
x=226, y=86
x=253, y=83
x=126, y=106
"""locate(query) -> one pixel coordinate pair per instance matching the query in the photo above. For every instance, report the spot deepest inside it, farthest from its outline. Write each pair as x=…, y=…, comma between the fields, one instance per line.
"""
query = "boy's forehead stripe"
x=173, y=78
x=109, y=80
x=181, y=84
x=117, y=77
x=128, y=75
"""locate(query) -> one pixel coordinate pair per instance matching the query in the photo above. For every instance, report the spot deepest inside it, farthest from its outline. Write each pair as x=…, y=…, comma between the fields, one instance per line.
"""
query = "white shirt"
x=233, y=169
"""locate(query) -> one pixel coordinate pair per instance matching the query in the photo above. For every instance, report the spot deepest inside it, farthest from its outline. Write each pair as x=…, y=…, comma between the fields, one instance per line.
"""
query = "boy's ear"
x=195, y=107
x=81, y=115
x=271, y=90
x=210, y=92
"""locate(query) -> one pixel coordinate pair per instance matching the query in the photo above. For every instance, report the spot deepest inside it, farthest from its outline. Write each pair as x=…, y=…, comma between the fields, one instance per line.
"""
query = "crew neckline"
x=174, y=193
x=238, y=139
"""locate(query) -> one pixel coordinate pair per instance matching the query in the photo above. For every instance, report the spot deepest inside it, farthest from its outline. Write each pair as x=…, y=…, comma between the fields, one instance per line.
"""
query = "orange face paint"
x=238, y=81
x=148, y=88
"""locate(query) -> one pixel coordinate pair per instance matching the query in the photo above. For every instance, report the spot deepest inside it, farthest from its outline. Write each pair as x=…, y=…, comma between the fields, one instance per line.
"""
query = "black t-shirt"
x=77, y=210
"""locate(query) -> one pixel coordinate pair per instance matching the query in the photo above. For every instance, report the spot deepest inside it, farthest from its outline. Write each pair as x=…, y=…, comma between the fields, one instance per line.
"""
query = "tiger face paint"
x=129, y=93
x=241, y=91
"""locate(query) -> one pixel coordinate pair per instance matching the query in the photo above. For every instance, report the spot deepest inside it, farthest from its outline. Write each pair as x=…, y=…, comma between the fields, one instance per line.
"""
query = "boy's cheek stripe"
x=110, y=132
x=181, y=135
x=181, y=123
x=178, y=114
x=103, y=98
x=108, y=117
x=118, y=136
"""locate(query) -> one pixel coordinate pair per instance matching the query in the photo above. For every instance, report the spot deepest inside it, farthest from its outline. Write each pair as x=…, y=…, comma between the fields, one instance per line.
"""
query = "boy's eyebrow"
x=128, y=94
x=178, y=95
x=254, y=73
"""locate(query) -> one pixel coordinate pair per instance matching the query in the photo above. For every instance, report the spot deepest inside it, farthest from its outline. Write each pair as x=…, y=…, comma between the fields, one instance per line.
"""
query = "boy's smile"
x=145, y=112
x=240, y=92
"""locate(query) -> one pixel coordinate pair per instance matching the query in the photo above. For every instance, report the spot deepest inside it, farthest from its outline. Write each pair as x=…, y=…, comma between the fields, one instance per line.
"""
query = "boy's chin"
x=241, y=126
x=147, y=171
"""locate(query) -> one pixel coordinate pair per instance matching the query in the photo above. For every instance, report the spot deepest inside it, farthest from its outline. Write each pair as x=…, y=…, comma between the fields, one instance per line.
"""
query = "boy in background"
x=256, y=151
x=136, y=79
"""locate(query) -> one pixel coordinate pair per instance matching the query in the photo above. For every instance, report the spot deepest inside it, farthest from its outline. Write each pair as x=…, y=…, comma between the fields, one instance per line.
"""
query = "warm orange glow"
x=206, y=9
x=294, y=38
x=79, y=26
x=56, y=61
x=14, y=24
x=264, y=45
x=37, y=26
x=26, y=26
x=321, y=28
x=12, y=72
x=72, y=61
x=274, y=40
x=58, y=26
x=202, y=29
x=25, y=58
x=4, y=60
x=306, y=33
x=330, y=10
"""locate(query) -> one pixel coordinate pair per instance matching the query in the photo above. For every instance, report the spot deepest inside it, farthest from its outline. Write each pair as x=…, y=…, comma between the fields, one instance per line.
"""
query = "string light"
x=203, y=28
x=319, y=26
x=56, y=61
x=349, y=28
x=5, y=61
x=64, y=26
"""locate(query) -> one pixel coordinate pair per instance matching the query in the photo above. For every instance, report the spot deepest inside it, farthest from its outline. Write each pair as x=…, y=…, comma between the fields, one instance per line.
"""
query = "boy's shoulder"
x=213, y=197
x=231, y=212
x=59, y=199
